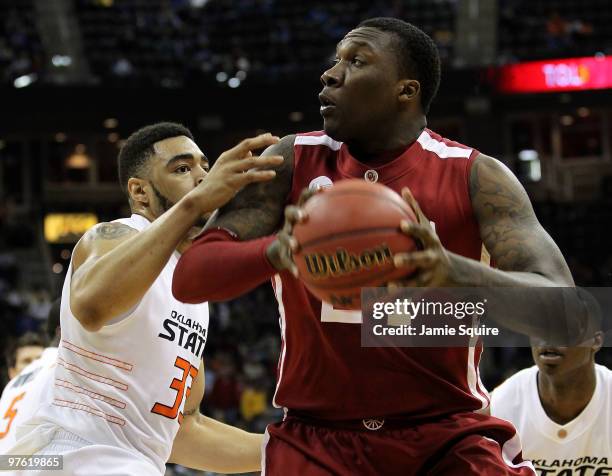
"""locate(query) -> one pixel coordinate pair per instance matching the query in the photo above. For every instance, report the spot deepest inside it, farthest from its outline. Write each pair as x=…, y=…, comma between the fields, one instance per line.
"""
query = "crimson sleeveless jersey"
x=323, y=371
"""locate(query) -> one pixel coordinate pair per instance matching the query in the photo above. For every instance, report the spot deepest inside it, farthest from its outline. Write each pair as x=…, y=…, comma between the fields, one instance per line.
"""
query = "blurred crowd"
x=540, y=29
x=173, y=43
x=21, y=50
x=178, y=42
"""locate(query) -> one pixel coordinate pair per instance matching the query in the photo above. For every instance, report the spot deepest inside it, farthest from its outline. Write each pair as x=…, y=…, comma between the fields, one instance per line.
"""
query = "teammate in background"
x=129, y=377
x=25, y=350
x=23, y=394
x=392, y=411
x=562, y=407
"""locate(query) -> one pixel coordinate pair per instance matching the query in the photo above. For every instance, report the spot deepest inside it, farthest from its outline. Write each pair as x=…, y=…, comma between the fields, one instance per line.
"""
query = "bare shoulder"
x=99, y=240
x=283, y=147
x=495, y=190
x=110, y=231
x=258, y=209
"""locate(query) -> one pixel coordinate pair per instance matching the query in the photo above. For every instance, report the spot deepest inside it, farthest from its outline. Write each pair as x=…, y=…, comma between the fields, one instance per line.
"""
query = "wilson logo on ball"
x=320, y=265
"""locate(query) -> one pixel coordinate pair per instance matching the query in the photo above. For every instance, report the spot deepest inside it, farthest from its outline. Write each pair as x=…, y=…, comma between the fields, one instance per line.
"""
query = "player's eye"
x=183, y=169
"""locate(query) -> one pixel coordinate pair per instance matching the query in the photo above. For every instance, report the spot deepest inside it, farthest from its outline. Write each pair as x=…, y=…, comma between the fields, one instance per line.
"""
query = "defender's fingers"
x=253, y=143
x=255, y=176
x=259, y=161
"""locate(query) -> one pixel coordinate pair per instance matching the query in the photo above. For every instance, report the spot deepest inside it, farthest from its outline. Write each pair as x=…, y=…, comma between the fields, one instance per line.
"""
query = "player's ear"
x=12, y=373
x=598, y=340
x=137, y=190
x=408, y=89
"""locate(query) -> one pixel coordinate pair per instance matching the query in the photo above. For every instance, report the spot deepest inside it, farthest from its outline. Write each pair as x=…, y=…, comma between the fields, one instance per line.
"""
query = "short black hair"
x=27, y=339
x=418, y=55
x=139, y=147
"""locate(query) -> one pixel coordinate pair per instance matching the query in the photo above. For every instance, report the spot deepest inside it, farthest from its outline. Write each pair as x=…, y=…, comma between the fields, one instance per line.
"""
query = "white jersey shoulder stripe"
x=318, y=140
x=441, y=149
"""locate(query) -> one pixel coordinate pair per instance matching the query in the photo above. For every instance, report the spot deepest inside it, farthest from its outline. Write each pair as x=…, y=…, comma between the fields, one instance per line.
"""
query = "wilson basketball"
x=349, y=240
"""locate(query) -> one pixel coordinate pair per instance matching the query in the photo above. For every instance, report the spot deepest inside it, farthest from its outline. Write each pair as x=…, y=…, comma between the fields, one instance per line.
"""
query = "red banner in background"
x=571, y=74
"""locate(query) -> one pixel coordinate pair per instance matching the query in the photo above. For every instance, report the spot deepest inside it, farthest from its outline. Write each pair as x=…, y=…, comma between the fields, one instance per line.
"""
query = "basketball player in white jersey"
x=22, y=395
x=562, y=407
x=129, y=377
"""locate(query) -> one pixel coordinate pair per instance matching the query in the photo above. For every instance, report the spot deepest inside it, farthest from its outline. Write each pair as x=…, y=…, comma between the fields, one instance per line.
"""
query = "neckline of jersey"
x=401, y=165
x=575, y=427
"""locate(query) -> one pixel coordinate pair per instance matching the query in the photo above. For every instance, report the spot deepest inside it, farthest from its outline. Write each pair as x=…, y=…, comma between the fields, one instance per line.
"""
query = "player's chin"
x=549, y=367
x=333, y=129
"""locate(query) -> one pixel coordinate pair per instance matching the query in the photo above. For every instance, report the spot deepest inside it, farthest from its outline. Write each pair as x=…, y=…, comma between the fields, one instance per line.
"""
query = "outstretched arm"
x=114, y=265
x=209, y=445
x=233, y=256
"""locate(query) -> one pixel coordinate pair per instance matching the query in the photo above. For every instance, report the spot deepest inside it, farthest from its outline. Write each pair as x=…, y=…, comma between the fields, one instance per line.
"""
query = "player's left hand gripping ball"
x=431, y=261
x=280, y=252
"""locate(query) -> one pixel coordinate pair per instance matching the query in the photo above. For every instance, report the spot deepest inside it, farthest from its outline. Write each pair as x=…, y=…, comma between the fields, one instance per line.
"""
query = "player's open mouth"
x=550, y=355
x=327, y=105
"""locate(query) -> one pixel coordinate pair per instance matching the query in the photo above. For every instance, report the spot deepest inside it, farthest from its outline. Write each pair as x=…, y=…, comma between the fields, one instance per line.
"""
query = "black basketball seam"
x=372, y=194
x=360, y=231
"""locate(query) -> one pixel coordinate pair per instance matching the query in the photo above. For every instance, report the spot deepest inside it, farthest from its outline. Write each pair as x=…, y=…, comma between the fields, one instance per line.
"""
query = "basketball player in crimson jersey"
x=379, y=411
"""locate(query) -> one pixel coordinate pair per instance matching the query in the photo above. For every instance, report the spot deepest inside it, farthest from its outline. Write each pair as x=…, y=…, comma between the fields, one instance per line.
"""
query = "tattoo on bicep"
x=508, y=226
x=112, y=231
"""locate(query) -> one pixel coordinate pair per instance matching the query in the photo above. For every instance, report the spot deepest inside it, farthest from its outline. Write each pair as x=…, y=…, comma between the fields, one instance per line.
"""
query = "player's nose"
x=330, y=78
x=200, y=176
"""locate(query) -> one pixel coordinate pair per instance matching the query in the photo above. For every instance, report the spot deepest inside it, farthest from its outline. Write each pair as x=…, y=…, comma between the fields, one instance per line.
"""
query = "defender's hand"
x=432, y=262
x=280, y=252
x=235, y=169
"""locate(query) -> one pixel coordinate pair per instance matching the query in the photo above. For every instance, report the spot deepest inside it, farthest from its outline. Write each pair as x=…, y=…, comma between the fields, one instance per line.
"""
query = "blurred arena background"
x=78, y=76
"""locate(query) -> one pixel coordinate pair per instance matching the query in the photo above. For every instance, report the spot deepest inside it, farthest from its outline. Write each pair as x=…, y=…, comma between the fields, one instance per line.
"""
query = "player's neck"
x=379, y=151
x=564, y=398
x=143, y=212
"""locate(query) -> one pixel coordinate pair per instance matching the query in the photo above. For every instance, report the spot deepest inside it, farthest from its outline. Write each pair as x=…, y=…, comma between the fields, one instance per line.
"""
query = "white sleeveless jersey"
x=126, y=384
x=582, y=447
x=23, y=395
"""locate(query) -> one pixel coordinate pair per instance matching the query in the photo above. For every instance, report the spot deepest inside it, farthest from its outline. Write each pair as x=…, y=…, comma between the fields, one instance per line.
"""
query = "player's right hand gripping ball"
x=349, y=239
